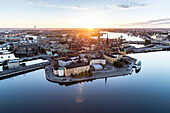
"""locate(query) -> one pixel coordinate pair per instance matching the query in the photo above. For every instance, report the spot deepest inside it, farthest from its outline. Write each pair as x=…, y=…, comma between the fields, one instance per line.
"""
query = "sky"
x=84, y=13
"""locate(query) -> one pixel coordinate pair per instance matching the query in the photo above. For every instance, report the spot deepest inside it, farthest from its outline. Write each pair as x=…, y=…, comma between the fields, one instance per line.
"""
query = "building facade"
x=13, y=64
x=73, y=69
x=110, y=59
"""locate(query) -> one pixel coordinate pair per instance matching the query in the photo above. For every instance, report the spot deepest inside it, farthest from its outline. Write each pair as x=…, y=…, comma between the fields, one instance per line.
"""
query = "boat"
x=138, y=65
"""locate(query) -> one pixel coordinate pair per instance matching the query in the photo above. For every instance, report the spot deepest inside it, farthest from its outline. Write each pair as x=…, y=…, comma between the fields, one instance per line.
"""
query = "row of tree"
x=82, y=74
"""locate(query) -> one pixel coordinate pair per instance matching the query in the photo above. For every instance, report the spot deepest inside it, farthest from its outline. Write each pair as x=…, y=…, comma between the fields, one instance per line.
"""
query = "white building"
x=7, y=56
x=65, y=62
x=97, y=67
x=159, y=37
x=31, y=39
x=98, y=61
x=117, y=55
x=13, y=64
x=59, y=71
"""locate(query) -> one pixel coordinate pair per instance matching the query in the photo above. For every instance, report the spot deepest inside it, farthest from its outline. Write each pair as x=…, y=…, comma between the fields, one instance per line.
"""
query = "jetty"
x=23, y=69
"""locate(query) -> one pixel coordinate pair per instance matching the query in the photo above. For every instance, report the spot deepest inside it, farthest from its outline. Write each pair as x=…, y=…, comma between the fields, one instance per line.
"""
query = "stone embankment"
x=109, y=72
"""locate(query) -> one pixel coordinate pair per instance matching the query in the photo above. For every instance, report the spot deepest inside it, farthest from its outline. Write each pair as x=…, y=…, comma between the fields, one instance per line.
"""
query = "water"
x=145, y=92
x=113, y=35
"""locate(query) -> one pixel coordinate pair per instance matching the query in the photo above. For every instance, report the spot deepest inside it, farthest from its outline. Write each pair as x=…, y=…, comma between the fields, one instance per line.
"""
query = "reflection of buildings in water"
x=79, y=97
x=105, y=80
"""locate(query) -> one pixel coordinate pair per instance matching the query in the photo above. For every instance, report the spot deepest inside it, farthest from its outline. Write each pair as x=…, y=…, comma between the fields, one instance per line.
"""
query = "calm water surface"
x=145, y=92
x=113, y=35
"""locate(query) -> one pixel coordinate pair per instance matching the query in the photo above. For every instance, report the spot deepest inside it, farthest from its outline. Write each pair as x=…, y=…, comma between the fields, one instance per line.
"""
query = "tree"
x=72, y=63
x=118, y=64
x=121, y=60
x=147, y=42
x=5, y=62
x=79, y=61
x=89, y=61
x=126, y=62
x=5, y=68
x=76, y=75
x=80, y=75
x=23, y=64
x=33, y=49
x=72, y=75
x=83, y=74
x=42, y=50
x=10, y=49
x=90, y=73
x=86, y=73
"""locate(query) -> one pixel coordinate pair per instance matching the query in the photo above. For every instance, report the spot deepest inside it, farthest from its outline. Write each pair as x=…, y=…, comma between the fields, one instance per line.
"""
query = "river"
x=113, y=35
x=143, y=92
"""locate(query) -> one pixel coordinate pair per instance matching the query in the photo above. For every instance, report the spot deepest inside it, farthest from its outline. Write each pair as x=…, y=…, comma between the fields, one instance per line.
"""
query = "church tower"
x=107, y=45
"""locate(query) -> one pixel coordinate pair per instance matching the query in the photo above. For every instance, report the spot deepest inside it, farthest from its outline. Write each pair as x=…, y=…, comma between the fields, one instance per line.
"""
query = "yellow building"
x=110, y=59
x=122, y=52
x=76, y=69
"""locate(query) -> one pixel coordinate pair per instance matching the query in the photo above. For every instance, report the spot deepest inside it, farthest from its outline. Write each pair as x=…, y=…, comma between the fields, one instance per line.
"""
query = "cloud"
x=124, y=5
x=50, y=5
x=131, y=5
x=163, y=21
x=151, y=21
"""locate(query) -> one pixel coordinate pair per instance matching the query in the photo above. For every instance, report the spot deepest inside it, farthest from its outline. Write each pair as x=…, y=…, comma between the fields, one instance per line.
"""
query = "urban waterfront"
x=146, y=91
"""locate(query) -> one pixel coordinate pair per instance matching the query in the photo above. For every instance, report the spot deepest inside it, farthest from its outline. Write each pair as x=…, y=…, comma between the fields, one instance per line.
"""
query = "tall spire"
x=107, y=40
x=98, y=34
x=107, y=45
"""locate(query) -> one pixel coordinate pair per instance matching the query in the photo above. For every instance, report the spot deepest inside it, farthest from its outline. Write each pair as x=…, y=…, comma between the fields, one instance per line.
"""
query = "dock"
x=19, y=70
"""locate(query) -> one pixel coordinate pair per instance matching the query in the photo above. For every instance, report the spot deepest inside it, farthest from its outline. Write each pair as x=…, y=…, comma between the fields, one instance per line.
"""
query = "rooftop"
x=110, y=56
x=13, y=61
x=76, y=65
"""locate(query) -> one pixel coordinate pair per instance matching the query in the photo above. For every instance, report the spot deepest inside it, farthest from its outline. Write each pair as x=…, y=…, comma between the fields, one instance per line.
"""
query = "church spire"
x=107, y=40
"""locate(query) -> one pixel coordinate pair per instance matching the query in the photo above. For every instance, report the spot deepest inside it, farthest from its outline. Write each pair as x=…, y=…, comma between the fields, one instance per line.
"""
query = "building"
x=58, y=71
x=13, y=64
x=109, y=58
x=31, y=38
x=97, y=61
x=96, y=67
x=123, y=52
x=159, y=37
x=76, y=69
x=117, y=55
x=26, y=49
x=7, y=56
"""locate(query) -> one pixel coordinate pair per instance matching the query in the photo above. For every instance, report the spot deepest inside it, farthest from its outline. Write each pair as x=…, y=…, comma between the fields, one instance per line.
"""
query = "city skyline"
x=84, y=14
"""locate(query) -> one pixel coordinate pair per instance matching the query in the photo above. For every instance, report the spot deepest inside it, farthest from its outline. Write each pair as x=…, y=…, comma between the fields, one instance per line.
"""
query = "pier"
x=19, y=70
x=30, y=58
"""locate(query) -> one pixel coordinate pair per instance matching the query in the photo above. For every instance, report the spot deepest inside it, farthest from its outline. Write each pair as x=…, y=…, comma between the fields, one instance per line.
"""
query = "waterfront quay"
x=30, y=58
x=23, y=69
x=109, y=72
x=149, y=48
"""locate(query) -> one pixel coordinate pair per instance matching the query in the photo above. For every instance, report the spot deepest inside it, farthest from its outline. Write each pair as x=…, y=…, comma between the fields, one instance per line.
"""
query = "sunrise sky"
x=84, y=13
